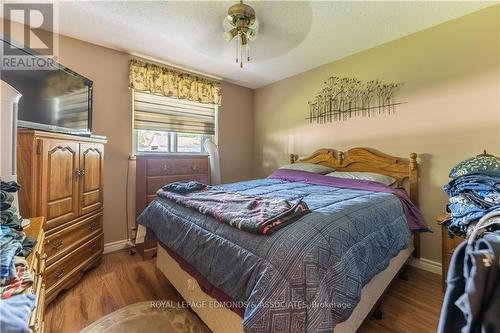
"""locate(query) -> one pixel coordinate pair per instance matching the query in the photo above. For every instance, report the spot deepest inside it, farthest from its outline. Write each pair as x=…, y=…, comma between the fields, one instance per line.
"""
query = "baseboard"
x=426, y=265
x=117, y=246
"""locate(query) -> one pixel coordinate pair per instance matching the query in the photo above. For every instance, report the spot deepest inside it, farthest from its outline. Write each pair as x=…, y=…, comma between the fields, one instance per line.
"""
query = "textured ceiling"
x=294, y=36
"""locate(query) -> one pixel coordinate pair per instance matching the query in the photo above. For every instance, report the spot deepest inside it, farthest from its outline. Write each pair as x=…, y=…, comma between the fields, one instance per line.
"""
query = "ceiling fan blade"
x=255, y=25
x=227, y=24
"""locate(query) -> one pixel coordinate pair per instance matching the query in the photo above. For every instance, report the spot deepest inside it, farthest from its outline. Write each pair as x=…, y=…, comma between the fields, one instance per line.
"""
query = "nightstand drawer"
x=448, y=246
x=451, y=243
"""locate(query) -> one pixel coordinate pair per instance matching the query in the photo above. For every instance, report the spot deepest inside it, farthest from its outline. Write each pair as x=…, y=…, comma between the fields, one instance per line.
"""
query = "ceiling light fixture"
x=242, y=25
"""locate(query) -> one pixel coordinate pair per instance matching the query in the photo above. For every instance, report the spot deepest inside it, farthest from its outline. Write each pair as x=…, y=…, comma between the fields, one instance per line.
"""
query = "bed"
x=326, y=271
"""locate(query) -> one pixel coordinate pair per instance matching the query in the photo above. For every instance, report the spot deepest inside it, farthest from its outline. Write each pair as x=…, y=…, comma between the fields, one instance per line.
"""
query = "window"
x=170, y=125
x=170, y=142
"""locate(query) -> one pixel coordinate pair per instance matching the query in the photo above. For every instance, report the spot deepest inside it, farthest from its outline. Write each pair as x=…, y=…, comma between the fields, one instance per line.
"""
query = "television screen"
x=54, y=100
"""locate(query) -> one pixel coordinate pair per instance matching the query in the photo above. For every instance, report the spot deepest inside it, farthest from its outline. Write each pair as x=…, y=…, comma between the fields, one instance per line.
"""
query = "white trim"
x=117, y=246
x=427, y=265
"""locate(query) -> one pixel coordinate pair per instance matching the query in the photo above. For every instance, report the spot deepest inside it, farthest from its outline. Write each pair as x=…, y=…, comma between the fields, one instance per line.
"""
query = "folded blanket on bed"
x=246, y=212
x=184, y=187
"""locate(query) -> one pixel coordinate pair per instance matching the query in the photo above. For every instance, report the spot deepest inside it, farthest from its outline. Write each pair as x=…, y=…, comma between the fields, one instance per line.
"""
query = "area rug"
x=148, y=317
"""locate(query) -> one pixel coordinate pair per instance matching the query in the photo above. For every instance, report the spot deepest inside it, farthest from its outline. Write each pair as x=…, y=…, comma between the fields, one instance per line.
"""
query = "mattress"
x=220, y=319
x=305, y=277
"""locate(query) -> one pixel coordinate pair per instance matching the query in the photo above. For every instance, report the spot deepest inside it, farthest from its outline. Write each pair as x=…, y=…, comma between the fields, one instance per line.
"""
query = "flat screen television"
x=57, y=100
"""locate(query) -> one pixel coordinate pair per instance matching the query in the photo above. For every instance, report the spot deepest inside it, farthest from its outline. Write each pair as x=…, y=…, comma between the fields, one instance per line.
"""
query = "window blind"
x=162, y=113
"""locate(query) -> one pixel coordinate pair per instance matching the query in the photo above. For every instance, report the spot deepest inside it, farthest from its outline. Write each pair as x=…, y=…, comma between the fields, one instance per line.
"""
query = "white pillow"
x=309, y=167
x=375, y=177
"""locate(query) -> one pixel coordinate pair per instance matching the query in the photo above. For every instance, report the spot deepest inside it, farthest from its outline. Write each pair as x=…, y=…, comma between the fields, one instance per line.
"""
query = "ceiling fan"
x=211, y=21
x=241, y=24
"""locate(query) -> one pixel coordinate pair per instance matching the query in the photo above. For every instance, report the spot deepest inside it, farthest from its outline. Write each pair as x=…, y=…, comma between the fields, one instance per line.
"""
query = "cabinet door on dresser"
x=59, y=184
x=91, y=165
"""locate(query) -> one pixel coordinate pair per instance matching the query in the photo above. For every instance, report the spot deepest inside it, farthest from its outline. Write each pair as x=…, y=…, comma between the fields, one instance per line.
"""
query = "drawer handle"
x=93, y=248
x=57, y=245
x=93, y=226
x=59, y=274
x=195, y=167
x=41, y=266
x=164, y=168
x=79, y=173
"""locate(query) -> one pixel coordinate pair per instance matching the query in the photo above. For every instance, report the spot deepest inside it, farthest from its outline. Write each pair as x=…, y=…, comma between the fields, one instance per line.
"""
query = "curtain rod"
x=163, y=62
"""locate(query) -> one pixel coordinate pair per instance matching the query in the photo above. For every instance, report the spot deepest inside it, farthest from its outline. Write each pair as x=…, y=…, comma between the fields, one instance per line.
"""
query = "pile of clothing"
x=474, y=192
x=15, y=276
x=472, y=299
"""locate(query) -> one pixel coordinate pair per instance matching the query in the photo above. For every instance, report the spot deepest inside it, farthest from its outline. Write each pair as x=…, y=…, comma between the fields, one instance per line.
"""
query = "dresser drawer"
x=177, y=166
x=451, y=243
x=66, y=240
x=38, y=314
x=72, y=262
x=39, y=257
x=36, y=263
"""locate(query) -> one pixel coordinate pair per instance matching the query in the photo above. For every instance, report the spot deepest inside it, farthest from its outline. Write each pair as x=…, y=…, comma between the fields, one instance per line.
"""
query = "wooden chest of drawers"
x=154, y=171
x=61, y=178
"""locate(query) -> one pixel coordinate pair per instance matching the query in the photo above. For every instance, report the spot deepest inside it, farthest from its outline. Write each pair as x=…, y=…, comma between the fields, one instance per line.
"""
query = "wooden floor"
x=122, y=279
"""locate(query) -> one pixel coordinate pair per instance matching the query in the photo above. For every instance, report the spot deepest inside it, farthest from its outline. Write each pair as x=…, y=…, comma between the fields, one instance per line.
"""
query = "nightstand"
x=448, y=244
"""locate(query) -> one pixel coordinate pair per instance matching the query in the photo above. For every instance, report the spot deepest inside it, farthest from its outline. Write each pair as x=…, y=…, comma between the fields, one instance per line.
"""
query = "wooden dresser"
x=37, y=263
x=61, y=178
x=448, y=244
x=155, y=170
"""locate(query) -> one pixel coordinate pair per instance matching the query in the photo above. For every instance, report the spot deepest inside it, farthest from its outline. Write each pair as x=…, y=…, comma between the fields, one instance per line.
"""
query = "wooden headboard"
x=370, y=160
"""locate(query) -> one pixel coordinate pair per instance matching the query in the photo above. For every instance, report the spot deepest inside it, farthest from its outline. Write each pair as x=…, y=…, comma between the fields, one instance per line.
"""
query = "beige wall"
x=112, y=117
x=236, y=133
x=452, y=93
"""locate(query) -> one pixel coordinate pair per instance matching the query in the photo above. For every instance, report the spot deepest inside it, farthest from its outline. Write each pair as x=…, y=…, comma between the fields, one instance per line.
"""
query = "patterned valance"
x=156, y=79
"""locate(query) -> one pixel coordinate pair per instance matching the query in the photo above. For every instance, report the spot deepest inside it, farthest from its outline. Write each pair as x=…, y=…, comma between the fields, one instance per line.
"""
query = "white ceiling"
x=294, y=36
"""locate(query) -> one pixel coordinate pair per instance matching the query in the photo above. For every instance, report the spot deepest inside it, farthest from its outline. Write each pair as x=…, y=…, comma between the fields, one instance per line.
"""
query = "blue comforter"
x=306, y=277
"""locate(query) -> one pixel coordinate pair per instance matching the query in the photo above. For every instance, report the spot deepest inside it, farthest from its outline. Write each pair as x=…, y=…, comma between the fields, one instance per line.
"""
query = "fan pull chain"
x=241, y=51
x=237, y=45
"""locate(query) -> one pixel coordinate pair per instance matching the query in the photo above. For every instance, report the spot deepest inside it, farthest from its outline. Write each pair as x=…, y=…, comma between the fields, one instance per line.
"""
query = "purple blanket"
x=414, y=218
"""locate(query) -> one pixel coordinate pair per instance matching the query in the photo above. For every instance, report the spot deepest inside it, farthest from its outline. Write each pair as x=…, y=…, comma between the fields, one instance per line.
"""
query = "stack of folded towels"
x=474, y=192
x=15, y=277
